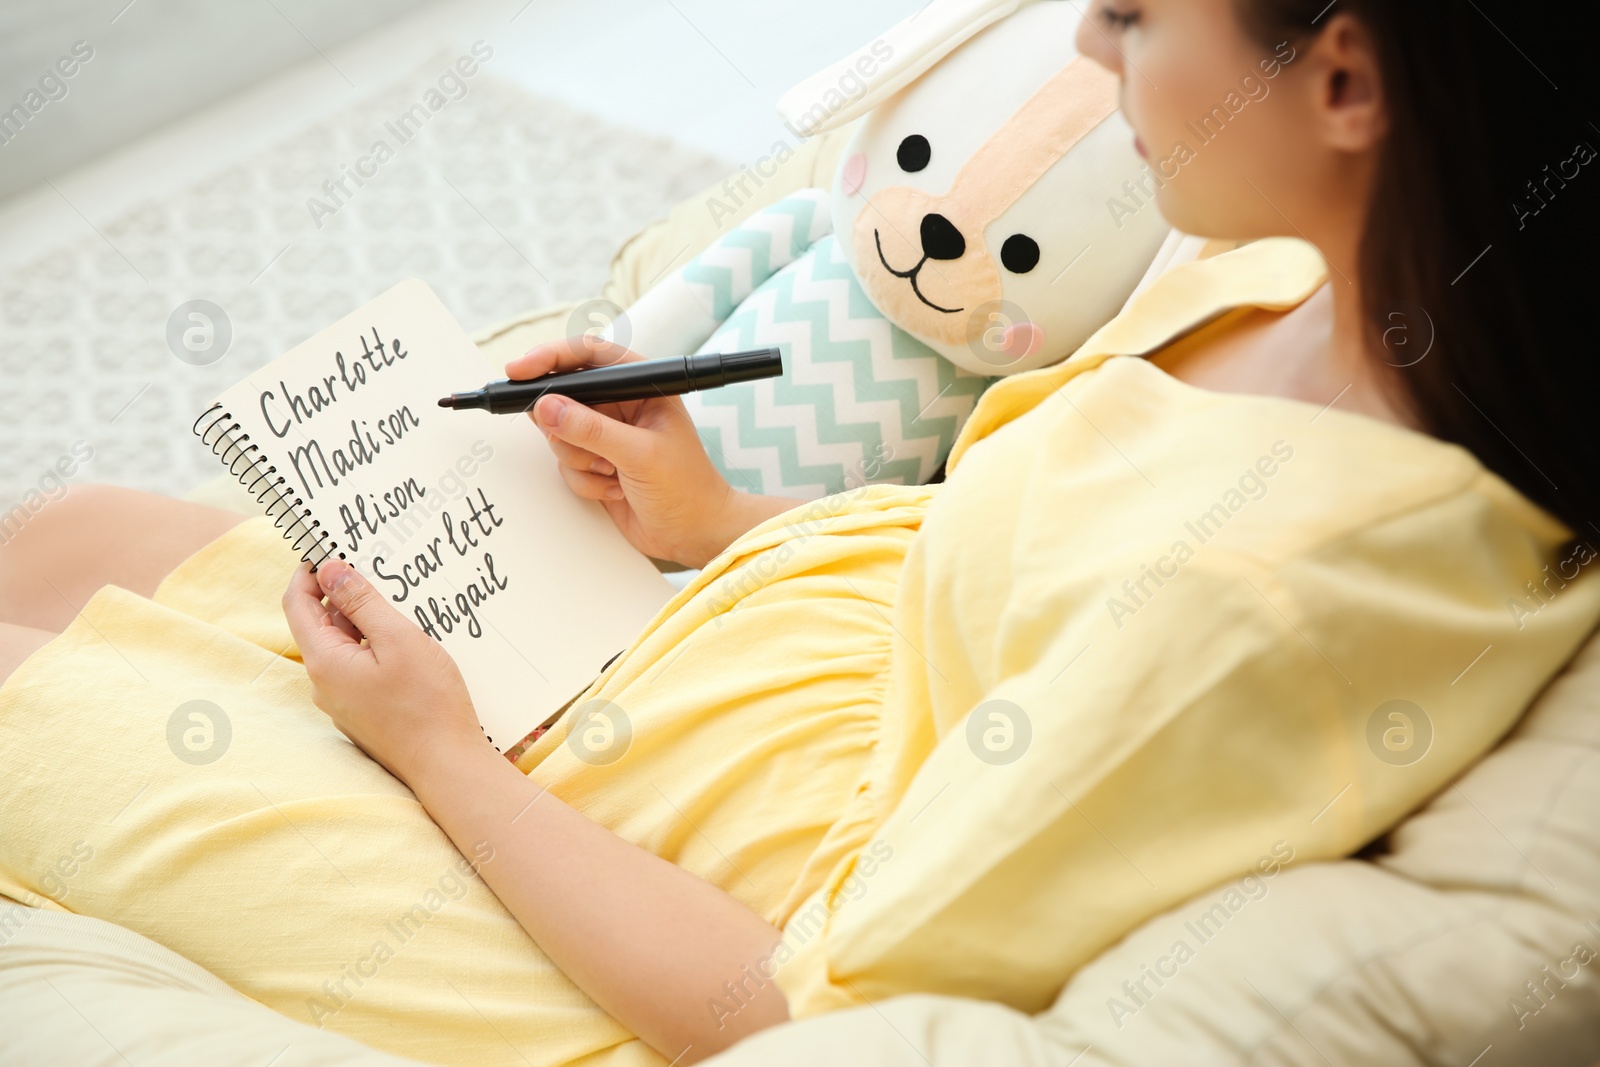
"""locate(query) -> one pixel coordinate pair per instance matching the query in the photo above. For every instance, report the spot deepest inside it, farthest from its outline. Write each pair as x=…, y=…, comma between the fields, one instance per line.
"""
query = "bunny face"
x=973, y=203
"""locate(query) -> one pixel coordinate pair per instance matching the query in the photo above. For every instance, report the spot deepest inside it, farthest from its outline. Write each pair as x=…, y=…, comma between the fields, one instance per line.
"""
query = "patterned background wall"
x=503, y=202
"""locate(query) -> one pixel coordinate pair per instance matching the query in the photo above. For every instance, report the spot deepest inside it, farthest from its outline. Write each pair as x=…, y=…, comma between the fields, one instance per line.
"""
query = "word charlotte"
x=309, y=460
x=851, y=86
x=1210, y=127
x=404, y=128
x=52, y=87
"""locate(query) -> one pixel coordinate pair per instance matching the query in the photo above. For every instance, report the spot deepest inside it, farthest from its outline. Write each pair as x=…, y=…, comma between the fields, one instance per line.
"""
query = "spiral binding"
x=244, y=461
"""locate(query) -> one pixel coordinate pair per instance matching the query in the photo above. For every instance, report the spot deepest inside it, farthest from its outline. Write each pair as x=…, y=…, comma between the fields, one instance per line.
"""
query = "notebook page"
x=459, y=517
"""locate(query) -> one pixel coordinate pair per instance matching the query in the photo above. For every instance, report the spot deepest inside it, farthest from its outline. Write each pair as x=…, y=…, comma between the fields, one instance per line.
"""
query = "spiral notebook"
x=459, y=517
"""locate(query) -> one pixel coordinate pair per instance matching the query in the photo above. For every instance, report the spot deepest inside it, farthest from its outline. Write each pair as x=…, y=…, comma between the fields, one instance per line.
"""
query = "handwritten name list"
x=443, y=579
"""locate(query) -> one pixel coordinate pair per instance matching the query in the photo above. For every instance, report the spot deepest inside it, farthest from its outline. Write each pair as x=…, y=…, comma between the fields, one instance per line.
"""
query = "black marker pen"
x=638, y=380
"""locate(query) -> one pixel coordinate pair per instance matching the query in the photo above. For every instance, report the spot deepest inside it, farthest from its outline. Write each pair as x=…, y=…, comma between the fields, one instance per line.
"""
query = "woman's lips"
x=1138, y=146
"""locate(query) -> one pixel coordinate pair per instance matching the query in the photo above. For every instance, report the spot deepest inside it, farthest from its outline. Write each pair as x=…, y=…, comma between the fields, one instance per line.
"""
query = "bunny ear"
x=832, y=97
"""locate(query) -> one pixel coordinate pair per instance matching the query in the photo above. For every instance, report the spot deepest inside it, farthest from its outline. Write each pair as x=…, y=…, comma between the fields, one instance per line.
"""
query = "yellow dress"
x=953, y=738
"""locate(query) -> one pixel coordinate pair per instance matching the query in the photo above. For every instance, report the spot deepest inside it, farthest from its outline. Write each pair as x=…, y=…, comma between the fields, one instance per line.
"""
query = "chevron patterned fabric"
x=769, y=240
x=860, y=401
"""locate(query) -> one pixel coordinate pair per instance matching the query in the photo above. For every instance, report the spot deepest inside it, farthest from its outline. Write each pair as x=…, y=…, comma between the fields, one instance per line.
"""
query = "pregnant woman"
x=1148, y=636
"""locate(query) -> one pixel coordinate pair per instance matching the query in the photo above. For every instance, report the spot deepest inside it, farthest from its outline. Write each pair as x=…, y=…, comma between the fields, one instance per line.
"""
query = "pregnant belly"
x=731, y=735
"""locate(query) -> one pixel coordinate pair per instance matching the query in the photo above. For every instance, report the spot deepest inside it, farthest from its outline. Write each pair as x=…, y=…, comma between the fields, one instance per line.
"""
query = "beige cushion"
x=80, y=991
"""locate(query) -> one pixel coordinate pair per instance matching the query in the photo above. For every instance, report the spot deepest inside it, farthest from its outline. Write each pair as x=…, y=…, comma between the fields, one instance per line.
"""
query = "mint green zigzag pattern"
x=824, y=262
x=719, y=279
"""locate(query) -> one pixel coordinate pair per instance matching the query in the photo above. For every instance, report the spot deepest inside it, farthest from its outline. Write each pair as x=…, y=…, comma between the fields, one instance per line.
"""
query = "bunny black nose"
x=940, y=238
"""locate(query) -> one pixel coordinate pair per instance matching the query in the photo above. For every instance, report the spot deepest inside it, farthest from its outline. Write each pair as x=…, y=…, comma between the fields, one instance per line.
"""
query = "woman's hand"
x=642, y=459
x=398, y=694
x=645, y=938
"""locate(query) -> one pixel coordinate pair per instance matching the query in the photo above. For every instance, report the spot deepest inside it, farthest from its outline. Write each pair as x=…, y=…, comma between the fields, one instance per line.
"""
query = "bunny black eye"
x=1020, y=253
x=913, y=153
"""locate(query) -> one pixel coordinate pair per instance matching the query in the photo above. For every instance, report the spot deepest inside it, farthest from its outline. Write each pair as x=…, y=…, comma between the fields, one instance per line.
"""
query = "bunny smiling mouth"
x=910, y=275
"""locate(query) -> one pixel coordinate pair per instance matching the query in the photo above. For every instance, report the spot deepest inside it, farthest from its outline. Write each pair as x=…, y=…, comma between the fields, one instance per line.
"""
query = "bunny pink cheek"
x=853, y=175
x=1022, y=340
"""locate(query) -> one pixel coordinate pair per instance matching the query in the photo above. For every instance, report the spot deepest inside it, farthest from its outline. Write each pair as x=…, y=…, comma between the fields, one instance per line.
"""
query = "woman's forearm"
x=651, y=943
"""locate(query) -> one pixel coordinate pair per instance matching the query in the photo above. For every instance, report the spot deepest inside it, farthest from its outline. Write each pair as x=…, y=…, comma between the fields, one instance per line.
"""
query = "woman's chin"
x=1199, y=219
x=1185, y=216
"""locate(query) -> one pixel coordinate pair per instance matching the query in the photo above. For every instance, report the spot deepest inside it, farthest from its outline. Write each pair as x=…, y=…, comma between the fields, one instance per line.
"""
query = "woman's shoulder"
x=1131, y=459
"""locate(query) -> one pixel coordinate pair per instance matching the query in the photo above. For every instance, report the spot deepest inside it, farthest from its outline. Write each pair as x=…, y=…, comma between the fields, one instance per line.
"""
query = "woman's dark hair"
x=1483, y=220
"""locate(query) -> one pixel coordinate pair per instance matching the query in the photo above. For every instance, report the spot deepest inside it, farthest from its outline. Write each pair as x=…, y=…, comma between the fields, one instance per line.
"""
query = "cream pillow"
x=80, y=991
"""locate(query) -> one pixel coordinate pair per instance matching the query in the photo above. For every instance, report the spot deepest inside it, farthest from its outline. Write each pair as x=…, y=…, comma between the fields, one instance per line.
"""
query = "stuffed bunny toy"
x=978, y=225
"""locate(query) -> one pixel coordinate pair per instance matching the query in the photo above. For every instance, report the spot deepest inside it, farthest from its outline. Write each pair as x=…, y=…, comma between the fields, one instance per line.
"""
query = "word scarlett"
x=461, y=538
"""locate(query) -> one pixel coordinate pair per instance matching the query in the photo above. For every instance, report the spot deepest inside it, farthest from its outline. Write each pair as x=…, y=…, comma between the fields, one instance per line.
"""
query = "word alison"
x=403, y=128
x=406, y=509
